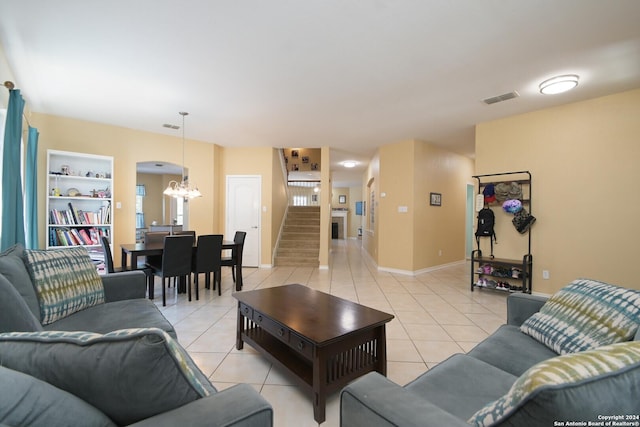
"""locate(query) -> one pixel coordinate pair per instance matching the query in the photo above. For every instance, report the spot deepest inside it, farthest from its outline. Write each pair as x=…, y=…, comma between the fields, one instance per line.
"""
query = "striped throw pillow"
x=584, y=315
x=66, y=281
x=565, y=374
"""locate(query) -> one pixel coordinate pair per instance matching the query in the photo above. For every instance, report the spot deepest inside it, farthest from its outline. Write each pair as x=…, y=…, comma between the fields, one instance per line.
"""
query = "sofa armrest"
x=125, y=285
x=374, y=400
x=237, y=406
x=522, y=306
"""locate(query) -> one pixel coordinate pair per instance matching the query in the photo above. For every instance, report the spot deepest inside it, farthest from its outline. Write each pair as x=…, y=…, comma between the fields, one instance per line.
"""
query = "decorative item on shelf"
x=182, y=189
x=73, y=192
x=64, y=169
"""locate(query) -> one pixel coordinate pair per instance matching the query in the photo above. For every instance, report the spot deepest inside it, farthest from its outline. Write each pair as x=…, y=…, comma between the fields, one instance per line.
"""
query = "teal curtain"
x=31, y=189
x=12, y=227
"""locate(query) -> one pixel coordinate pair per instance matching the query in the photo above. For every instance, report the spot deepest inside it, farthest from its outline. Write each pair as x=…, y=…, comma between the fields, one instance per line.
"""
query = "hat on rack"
x=489, y=193
x=512, y=206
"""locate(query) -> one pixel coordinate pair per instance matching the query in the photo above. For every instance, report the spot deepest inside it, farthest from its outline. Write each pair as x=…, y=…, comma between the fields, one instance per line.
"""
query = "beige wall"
x=439, y=231
x=128, y=147
x=584, y=161
x=314, y=155
x=152, y=202
x=354, y=221
x=371, y=179
x=325, y=210
x=279, y=201
x=408, y=234
x=261, y=161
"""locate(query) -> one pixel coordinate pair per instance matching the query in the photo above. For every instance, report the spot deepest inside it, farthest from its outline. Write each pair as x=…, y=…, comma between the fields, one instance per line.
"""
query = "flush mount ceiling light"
x=349, y=163
x=559, y=84
x=181, y=189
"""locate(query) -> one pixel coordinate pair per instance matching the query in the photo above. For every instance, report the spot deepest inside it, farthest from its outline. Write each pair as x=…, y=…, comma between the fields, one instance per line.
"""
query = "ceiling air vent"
x=500, y=98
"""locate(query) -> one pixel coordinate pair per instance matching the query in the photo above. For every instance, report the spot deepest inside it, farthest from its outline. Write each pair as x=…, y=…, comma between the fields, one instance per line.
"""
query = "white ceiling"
x=349, y=74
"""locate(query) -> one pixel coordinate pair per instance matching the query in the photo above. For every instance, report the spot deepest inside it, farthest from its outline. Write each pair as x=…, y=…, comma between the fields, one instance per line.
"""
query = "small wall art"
x=435, y=199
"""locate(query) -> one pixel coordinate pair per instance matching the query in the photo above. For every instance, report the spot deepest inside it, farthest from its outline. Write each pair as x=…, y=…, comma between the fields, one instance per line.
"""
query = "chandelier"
x=182, y=189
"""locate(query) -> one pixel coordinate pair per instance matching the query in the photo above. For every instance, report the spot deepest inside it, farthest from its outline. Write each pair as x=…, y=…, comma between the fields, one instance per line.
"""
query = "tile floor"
x=436, y=315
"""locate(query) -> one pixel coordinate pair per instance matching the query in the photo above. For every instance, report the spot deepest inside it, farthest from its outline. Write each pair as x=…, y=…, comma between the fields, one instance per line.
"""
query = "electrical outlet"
x=545, y=274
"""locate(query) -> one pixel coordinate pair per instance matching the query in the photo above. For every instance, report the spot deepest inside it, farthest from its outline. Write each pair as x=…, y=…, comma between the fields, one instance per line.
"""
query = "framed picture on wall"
x=435, y=199
x=342, y=199
x=314, y=166
x=294, y=153
x=305, y=159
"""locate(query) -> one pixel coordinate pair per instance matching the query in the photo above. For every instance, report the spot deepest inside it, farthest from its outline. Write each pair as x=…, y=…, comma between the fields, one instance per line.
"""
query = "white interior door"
x=243, y=214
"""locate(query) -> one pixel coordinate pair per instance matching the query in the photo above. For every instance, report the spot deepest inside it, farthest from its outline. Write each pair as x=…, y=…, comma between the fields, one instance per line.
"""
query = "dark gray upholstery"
x=14, y=313
x=109, y=317
x=456, y=380
x=511, y=350
x=454, y=390
x=27, y=401
x=13, y=268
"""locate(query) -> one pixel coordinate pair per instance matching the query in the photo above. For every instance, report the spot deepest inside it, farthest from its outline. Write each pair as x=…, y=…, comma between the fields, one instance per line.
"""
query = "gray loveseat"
x=514, y=378
x=112, y=361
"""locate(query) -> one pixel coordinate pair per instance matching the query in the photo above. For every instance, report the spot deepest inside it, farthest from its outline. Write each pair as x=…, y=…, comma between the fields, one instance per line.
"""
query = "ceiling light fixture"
x=349, y=163
x=182, y=189
x=559, y=84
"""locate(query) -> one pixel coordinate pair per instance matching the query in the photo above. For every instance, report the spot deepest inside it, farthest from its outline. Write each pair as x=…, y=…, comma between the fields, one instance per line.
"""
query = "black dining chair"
x=185, y=233
x=236, y=253
x=108, y=260
x=154, y=261
x=208, y=260
x=176, y=262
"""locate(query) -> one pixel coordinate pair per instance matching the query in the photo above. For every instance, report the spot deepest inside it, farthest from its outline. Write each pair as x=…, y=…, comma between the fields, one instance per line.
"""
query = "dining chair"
x=208, y=260
x=176, y=262
x=236, y=253
x=185, y=233
x=108, y=259
x=154, y=237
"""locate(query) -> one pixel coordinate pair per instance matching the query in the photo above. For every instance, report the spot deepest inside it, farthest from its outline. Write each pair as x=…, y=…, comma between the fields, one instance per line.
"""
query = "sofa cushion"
x=585, y=314
x=65, y=280
x=13, y=268
x=510, y=350
x=109, y=317
x=15, y=316
x=461, y=378
x=27, y=401
x=129, y=374
x=577, y=386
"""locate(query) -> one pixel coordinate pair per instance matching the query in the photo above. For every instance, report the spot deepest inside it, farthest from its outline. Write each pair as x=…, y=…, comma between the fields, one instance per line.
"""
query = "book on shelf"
x=79, y=217
x=90, y=236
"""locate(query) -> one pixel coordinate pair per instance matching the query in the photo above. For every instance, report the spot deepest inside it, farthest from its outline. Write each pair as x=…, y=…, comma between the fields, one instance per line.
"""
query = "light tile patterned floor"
x=436, y=315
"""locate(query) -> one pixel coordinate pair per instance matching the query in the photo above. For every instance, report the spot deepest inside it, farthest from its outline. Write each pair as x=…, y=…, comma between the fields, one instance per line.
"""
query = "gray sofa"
x=125, y=367
x=485, y=386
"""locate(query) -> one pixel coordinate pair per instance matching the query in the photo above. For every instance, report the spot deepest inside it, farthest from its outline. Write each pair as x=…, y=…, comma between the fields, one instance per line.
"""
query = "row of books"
x=76, y=236
x=72, y=216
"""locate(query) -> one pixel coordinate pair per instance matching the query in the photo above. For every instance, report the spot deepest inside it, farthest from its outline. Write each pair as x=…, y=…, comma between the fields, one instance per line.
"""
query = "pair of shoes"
x=504, y=286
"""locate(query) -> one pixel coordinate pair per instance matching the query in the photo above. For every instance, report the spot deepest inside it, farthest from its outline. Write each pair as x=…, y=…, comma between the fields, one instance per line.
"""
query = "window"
x=140, y=193
x=299, y=200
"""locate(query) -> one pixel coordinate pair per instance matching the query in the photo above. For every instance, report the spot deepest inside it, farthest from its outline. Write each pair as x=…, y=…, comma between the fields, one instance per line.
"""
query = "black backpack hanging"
x=486, y=221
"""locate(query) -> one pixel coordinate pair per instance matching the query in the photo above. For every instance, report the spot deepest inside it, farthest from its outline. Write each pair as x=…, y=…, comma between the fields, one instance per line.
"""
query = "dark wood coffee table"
x=324, y=341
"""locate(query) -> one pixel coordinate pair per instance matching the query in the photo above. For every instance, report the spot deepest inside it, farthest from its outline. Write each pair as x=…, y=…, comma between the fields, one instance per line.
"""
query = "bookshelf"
x=79, y=200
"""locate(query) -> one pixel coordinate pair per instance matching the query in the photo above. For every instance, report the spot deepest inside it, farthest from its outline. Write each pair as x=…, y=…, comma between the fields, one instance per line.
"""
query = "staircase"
x=300, y=240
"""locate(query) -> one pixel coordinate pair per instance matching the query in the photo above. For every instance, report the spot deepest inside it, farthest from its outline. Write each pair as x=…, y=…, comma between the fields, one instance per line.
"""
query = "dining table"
x=135, y=250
